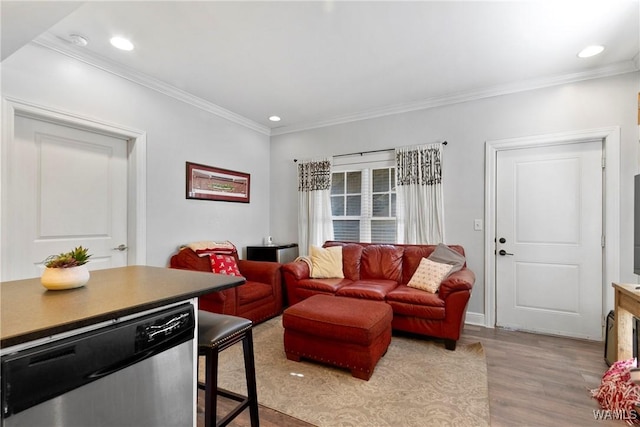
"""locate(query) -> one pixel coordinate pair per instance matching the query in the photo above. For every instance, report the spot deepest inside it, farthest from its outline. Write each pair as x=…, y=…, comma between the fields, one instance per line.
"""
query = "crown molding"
x=607, y=71
x=54, y=43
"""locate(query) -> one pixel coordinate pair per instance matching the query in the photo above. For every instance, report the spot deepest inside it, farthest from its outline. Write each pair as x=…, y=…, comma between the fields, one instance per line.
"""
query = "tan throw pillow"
x=326, y=262
x=429, y=275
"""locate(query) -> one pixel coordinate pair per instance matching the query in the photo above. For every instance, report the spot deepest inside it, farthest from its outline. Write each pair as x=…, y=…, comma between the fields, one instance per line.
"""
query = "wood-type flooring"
x=534, y=380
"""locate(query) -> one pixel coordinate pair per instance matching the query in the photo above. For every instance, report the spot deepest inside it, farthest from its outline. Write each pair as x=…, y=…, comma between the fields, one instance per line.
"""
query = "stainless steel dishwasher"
x=137, y=372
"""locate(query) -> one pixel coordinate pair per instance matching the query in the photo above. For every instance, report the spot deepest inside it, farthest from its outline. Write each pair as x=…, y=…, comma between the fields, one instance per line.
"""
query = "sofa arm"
x=296, y=270
x=223, y=302
x=292, y=273
x=455, y=310
x=261, y=271
x=186, y=259
x=462, y=280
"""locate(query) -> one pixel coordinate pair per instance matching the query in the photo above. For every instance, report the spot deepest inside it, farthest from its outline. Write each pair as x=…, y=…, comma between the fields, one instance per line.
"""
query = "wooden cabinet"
x=627, y=305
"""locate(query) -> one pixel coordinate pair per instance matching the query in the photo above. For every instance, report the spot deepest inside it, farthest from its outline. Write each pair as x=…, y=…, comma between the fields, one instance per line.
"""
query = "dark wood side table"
x=275, y=253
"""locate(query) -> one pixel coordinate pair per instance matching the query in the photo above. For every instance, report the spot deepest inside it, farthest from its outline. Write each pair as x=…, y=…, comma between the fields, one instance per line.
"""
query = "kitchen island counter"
x=30, y=312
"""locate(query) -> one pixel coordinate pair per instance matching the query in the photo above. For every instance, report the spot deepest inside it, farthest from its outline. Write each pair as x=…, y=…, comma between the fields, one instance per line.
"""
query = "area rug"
x=416, y=383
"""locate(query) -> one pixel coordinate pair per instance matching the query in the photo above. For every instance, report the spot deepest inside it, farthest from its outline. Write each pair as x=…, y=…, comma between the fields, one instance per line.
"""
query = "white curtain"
x=314, y=204
x=419, y=191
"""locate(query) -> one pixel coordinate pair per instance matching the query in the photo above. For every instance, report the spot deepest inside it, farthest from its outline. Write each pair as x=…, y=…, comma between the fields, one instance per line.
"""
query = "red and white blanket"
x=207, y=247
x=618, y=393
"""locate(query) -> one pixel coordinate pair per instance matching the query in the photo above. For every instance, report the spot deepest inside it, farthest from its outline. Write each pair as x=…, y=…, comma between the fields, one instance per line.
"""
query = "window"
x=363, y=204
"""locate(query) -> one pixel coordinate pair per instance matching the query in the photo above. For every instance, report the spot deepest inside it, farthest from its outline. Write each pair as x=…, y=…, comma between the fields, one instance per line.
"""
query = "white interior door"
x=65, y=187
x=549, y=227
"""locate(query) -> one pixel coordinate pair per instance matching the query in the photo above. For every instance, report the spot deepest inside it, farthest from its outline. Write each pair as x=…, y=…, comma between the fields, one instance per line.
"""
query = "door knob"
x=502, y=252
x=121, y=248
x=502, y=240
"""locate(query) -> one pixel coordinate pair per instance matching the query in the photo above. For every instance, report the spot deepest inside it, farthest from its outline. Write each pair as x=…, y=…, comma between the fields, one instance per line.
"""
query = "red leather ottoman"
x=346, y=332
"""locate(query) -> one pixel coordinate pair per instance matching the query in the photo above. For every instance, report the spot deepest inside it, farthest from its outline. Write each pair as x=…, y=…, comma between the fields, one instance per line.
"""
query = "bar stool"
x=217, y=332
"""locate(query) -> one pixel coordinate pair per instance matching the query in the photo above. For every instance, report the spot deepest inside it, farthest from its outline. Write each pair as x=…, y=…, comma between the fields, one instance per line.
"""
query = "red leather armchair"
x=258, y=299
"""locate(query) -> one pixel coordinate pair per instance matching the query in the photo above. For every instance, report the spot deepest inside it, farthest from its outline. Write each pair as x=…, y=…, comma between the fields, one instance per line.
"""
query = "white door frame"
x=136, y=180
x=611, y=201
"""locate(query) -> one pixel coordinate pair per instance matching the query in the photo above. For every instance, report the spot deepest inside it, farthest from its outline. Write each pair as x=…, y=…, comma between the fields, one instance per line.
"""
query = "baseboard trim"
x=475, y=319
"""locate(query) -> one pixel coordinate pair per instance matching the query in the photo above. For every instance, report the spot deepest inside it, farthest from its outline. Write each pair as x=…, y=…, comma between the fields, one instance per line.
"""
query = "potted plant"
x=66, y=270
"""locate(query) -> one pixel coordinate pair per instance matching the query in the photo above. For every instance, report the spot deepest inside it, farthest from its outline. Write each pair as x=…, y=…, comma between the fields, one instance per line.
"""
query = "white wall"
x=585, y=105
x=176, y=133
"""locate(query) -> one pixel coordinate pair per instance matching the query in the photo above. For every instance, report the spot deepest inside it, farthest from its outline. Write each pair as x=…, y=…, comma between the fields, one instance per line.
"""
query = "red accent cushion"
x=224, y=264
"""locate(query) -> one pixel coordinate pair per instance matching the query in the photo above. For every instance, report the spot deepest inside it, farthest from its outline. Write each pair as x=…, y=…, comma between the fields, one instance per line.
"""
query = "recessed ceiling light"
x=274, y=118
x=121, y=43
x=78, y=40
x=590, y=51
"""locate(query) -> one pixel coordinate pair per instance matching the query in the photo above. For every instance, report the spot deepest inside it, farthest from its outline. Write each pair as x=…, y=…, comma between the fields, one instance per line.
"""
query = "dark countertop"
x=29, y=311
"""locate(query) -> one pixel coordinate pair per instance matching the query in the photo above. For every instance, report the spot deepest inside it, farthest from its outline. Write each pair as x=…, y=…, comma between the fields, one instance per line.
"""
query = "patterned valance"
x=314, y=175
x=419, y=165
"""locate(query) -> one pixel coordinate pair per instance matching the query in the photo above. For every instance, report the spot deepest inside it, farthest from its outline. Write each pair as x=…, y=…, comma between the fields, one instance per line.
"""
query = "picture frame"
x=212, y=183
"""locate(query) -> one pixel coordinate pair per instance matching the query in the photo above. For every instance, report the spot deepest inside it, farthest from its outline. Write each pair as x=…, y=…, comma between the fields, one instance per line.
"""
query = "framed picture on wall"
x=211, y=183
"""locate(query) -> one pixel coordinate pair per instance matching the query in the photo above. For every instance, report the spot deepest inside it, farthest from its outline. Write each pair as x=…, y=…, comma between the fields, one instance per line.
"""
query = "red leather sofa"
x=258, y=299
x=381, y=272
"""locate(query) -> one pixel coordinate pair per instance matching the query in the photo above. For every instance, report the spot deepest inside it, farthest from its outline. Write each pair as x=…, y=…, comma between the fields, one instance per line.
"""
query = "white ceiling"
x=322, y=62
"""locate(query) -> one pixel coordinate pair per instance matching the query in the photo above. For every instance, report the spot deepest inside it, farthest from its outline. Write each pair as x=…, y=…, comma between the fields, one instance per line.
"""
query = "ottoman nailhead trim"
x=333, y=362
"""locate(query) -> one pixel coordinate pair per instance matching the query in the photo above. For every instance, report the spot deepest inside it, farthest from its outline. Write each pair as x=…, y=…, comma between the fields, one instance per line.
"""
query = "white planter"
x=65, y=278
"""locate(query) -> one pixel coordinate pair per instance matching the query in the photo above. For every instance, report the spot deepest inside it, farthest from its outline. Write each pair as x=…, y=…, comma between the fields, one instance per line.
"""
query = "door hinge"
x=602, y=240
x=604, y=162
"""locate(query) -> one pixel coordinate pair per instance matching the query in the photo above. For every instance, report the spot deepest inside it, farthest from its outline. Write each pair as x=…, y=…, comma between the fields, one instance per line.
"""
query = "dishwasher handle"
x=120, y=365
x=167, y=328
x=162, y=331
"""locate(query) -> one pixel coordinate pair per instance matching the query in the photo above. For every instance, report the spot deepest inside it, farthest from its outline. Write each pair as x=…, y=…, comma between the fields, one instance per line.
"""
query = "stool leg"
x=211, y=387
x=250, y=372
